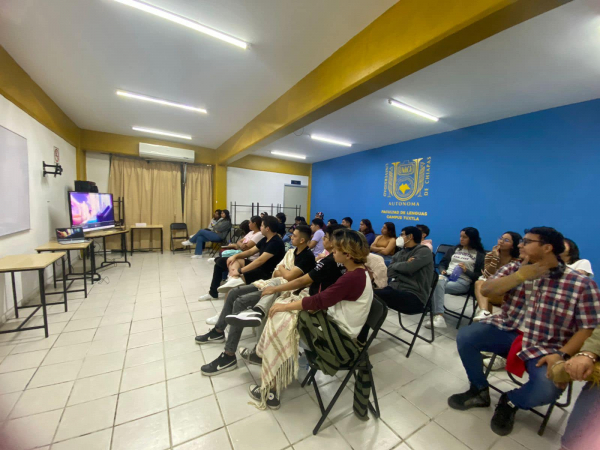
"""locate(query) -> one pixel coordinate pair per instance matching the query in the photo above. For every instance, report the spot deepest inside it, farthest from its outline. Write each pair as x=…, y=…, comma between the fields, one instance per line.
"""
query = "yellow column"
x=80, y=164
x=220, y=187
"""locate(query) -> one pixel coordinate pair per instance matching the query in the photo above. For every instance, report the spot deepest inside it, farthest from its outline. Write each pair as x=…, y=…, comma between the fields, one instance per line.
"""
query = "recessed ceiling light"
x=183, y=21
x=159, y=101
x=330, y=141
x=162, y=133
x=289, y=155
x=405, y=107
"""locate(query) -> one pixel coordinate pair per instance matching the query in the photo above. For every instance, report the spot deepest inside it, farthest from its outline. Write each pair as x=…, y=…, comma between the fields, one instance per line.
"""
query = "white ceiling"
x=81, y=51
x=549, y=61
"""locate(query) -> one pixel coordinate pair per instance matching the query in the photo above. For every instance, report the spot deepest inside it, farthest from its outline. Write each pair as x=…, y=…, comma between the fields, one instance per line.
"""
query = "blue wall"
x=536, y=169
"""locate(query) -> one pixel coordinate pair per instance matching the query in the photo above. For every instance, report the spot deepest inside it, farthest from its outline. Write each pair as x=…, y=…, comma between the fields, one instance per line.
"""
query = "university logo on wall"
x=405, y=180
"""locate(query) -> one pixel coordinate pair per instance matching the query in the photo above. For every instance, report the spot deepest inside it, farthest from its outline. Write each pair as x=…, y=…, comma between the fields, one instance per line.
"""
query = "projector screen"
x=14, y=183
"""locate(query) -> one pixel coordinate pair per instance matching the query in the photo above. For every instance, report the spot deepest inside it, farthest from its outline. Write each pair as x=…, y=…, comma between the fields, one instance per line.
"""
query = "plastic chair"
x=427, y=309
x=546, y=416
x=175, y=229
x=441, y=250
x=376, y=318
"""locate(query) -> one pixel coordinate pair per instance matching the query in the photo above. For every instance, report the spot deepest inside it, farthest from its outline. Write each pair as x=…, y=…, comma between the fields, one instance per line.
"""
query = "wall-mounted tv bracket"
x=58, y=170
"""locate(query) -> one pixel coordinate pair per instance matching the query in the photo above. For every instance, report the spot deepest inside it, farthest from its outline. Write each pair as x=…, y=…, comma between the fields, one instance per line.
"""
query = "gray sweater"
x=415, y=276
x=222, y=227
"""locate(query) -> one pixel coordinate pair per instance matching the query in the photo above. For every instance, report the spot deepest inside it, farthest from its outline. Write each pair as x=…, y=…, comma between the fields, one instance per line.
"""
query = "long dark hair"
x=227, y=217
x=573, y=251
x=369, y=229
x=245, y=226
x=516, y=238
x=474, y=239
x=391, y=229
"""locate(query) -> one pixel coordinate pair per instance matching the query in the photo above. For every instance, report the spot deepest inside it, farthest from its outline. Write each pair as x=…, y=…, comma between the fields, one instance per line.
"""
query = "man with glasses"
x=549, y=311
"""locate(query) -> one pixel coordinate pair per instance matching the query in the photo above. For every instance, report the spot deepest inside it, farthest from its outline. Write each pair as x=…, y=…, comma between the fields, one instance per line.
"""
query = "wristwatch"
x=563, y=355
x=240, y=270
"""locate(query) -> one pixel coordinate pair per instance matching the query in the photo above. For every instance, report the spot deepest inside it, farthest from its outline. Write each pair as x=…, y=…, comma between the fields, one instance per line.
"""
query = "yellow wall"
x=254, y=162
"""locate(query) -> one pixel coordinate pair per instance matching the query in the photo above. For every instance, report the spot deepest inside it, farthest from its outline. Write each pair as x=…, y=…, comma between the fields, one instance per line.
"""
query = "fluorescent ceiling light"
x=183, y=21
x=162, y=133
x=289, y=155
x=331, y=141
x=159, y=101
x=400, y=105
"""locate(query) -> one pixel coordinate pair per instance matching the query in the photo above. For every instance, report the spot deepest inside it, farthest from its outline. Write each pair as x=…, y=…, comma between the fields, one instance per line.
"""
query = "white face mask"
x=400, y=242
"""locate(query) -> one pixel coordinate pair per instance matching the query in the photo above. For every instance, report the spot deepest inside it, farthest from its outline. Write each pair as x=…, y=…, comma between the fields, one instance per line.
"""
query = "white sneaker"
x=212, y=320
x=438, y=322
x=196, y=256
x=230, y=284
x=186, y=243
x=205, y=298
x=499, y=363
x=210, y=260
x=481, y=314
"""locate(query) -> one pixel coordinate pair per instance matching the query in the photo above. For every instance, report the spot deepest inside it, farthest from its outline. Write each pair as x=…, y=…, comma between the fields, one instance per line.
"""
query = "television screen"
x=91, y=210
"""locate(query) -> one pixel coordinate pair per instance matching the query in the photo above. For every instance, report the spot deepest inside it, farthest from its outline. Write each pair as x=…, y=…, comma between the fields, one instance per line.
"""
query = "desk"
x=25, y=263
x=54, y=246
x=147, y=227
x=104, y=235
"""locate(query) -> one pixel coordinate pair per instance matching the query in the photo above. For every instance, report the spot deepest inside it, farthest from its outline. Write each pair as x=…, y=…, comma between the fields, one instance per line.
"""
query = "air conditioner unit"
x=163, y=153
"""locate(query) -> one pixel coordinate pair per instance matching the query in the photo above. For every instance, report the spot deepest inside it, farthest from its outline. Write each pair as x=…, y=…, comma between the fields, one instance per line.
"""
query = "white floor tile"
x=17, y=434
x=15, y=381
x=433, y=436
x=194, y=419
x=13, y=363
x=235, y=404
x=95, y=365
x=298, y=417
x=139, y=376
x=35, y=401
x=93, y=388
x=145, y=338
x=75, y=337
x=328, y=438
x=472, y=431
x=400, y=415
x=87, y=418
x=373, y=434
x=144, y=355
x=184, y=364
x=83, y=324
x=7, y=402
x=258, y=431
x=146, y=325
x=141, y=403
x=112, y=331
x=110, y=345
x=148, y=433
x=211, y=441
x=56, y=373
x=188, y=388
x=35, y=345
x=66, y=353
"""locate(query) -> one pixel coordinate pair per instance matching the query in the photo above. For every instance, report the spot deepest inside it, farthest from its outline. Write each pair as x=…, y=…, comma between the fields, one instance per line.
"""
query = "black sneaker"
x=250, y=356
x=272, y=400
x=224, y=363
x=504, y=416
x=211, y=336
x=473, y=398
x=245, y=319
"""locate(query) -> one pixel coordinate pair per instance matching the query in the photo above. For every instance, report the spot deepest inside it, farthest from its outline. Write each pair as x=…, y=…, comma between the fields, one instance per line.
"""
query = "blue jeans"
x=203, y=236
x=482, y=337
x=287, y=237
x=444, y=286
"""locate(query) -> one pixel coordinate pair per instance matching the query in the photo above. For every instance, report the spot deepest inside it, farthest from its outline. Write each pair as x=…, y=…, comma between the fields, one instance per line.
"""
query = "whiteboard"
x=14, y=183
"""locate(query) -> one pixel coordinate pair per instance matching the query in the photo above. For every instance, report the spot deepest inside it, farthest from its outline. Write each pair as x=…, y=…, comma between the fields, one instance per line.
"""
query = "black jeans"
x=402, y=301
x=221, y=267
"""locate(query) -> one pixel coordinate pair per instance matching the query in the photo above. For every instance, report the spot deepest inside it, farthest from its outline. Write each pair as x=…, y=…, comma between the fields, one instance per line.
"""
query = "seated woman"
x=571, y=258
x=385, y=243
x=316, y=242
x=342, y=309
x=366, y=228
x=218, y=233
x=281, y=218
x=505, y=251
x=412, y=270
x=467, y=259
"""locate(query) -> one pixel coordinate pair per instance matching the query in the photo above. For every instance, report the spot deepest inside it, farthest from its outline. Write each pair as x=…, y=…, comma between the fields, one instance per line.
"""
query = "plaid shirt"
x=558, y=305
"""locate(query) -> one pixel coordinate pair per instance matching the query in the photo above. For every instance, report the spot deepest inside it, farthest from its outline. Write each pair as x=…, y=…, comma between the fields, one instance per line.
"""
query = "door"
x=295, y=195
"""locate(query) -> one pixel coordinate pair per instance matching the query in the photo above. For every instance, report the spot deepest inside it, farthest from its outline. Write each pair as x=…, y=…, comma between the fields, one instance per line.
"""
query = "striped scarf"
x=331, y=349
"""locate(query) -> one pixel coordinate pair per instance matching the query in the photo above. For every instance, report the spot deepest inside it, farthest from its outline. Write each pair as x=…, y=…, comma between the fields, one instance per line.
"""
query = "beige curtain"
x=197, y=212
x=152, y=193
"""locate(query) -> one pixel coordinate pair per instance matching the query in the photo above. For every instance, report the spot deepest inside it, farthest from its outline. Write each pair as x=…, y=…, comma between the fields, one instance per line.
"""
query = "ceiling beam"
x=408, y=37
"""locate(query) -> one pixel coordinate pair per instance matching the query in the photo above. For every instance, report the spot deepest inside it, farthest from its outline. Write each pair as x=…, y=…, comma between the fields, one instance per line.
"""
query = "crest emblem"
x=405, y=180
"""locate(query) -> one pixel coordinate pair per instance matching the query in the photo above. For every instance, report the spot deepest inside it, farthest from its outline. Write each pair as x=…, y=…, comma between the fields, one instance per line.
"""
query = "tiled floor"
x=121, y=371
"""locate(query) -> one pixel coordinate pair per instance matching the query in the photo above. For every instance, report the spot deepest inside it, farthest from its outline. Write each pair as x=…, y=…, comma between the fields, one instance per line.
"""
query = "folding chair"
x=545, y=417
x=376, y=318
x=441, y=250
x=427, y=309
x=216, y=246
x=237, y=234
x=461, y=315
x=175, y=228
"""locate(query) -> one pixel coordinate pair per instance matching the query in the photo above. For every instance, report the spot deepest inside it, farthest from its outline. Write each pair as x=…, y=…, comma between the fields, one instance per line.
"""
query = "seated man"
x=347, y=222
x=299, y=260
x=271, y=250
x=549, y=311
x=412, y=270
x=424, y=241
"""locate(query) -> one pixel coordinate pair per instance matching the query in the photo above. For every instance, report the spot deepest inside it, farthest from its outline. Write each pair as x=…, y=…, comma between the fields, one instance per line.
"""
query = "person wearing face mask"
x=412, y=270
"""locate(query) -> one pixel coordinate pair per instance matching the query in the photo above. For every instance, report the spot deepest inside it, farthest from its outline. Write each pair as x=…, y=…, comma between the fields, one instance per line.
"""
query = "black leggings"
x=402, y=301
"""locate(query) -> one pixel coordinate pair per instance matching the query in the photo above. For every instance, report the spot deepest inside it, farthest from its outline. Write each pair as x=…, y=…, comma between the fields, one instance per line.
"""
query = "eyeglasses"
x=505, y=240
x=526, y=241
